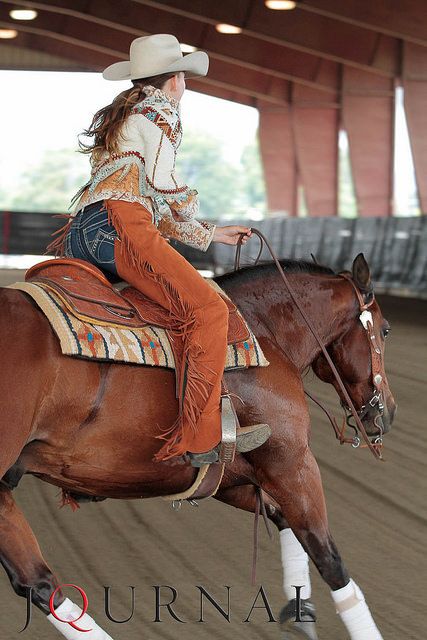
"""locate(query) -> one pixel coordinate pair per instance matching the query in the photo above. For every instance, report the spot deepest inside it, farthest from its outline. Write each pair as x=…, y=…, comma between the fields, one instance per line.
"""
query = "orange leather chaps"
x=145, y=259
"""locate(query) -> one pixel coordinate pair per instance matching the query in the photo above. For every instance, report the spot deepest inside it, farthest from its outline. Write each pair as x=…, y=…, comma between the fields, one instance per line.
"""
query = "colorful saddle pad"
x=150, y=345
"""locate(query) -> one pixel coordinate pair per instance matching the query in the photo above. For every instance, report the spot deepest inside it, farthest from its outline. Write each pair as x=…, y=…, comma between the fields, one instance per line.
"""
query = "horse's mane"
x=265, y=268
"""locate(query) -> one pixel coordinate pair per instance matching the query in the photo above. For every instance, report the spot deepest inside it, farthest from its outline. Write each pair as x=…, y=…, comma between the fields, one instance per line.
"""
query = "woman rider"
x=133, y=199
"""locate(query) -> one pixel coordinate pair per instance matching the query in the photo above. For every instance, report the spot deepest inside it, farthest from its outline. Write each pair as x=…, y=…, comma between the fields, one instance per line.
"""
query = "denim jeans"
x=91, y=238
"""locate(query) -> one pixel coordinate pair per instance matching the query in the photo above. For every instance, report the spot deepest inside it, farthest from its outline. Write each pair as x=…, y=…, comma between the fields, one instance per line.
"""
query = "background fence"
x=396, y=248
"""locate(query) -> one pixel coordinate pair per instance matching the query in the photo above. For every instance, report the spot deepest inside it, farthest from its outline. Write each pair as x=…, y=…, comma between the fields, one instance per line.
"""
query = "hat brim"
x=194, y=65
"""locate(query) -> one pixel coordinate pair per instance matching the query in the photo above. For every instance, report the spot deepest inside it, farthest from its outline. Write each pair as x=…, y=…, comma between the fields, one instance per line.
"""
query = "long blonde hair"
x=106, y=123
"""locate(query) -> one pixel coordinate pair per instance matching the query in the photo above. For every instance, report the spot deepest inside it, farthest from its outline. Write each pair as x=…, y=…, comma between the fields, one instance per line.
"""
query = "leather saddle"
x=88, y=294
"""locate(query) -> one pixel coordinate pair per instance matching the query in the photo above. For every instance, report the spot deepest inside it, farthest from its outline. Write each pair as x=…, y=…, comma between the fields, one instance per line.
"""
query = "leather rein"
x=366, y=319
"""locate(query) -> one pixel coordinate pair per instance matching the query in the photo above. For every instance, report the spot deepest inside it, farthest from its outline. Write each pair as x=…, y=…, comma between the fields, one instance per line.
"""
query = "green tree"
x=225, y=189
x=50, y=185
x=201, y=163
x=347, y=204
x=253, y=185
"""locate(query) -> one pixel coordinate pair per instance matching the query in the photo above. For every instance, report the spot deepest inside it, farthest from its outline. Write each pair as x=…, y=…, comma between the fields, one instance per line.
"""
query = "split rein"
x=366, y=320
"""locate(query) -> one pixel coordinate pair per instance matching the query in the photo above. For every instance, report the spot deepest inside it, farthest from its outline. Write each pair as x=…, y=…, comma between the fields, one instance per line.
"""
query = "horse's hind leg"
x=294, y=560
x=21, y=557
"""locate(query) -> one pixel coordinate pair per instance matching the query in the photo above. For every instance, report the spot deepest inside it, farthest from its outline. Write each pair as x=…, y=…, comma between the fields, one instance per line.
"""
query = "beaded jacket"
x=143, y=170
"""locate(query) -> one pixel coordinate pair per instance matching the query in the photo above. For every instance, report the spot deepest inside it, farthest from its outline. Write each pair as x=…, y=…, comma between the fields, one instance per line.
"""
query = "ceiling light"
x=227, y=28
x=280, y=4
x=8, y=34
x=187, y=48
x=23, y=14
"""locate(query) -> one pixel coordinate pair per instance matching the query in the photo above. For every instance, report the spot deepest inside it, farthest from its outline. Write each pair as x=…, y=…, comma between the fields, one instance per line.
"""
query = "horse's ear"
x=361, y=273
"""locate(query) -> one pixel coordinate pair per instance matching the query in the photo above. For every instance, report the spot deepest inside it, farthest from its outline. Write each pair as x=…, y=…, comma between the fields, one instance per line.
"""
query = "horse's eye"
x=386, y=331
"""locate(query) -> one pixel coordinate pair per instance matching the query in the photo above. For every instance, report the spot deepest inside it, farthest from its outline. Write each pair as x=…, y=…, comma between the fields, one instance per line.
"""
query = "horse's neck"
x=273, y=315
x=325, y=305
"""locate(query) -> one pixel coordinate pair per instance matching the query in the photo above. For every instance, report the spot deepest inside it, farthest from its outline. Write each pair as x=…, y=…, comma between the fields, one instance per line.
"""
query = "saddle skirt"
x=93, y=319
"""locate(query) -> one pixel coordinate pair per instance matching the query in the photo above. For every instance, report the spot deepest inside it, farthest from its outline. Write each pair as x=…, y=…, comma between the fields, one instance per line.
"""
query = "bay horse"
x=87, y=427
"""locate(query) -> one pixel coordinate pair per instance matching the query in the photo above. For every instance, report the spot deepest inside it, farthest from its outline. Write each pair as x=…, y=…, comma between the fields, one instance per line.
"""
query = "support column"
x=316, y=125
x=368, y=117
x=278, y=158
x=316, y=142
x=415, y=100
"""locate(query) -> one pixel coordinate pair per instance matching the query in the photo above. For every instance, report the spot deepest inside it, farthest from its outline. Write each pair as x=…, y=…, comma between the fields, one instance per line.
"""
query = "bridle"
x=366, y=319
x=377, y=366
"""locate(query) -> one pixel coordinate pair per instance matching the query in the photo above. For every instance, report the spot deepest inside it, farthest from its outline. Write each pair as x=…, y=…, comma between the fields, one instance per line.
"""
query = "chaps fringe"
x=57, y=246
x=192, y=382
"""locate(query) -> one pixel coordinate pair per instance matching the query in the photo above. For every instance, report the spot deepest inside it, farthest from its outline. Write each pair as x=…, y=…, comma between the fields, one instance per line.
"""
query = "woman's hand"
x=231, y=234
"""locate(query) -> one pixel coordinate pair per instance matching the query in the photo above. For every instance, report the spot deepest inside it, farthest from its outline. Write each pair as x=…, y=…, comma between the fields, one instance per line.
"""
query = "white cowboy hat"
x=155, y=55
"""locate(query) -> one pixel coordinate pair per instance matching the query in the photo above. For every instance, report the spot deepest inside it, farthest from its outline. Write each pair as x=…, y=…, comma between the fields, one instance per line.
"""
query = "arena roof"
x=306, y=46
x=335, y=62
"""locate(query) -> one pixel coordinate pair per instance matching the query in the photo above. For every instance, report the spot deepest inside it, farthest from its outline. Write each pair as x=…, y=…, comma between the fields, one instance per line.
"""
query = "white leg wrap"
x=354, y=612
x=70, y=611
x=295, y=566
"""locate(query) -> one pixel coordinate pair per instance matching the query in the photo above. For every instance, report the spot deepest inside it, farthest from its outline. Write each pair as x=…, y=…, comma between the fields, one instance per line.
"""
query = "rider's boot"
x=247, y=438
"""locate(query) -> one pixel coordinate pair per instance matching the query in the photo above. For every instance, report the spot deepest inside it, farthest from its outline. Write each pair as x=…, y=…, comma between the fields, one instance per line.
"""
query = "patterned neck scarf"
x=160, y=95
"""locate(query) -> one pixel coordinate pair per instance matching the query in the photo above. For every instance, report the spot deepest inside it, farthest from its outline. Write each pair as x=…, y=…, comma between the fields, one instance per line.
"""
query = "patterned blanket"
x=147, y=346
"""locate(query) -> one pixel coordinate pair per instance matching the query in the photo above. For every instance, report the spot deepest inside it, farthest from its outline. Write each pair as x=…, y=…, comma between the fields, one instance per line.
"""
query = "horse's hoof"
x=304, y=629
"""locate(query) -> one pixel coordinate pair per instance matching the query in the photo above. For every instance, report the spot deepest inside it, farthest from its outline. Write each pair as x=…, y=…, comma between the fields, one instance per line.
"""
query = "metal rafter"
x=405, y=19
x=266, y=58
x=69, y=35
x=318, y=35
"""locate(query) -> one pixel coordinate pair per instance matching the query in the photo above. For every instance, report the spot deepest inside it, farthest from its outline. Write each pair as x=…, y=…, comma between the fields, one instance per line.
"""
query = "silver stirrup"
x=227, y=448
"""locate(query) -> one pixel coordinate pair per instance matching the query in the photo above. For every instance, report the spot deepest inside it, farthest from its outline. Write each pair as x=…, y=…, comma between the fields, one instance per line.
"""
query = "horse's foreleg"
x=300, y=496
x=294, y=558
x=21, y=557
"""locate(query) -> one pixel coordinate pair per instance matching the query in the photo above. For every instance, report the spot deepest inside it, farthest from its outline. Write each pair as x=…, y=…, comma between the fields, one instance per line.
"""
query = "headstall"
x=377, y=367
